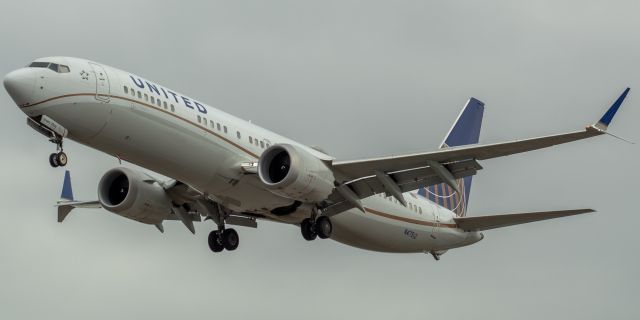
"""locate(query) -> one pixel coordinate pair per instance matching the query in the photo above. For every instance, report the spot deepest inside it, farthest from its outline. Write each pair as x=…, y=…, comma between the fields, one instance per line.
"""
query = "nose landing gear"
x=60, y=158
x=55, y=133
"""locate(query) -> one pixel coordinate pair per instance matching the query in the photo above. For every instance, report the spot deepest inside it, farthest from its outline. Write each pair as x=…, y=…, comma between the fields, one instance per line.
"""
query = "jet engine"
x=134, y=195
x=294, y=173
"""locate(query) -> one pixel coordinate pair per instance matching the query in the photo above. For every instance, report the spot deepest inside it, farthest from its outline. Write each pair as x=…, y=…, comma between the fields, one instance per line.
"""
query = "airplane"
x=235, y=173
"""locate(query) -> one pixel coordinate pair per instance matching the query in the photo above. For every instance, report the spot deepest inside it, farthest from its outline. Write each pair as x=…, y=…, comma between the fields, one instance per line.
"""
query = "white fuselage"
x=159, y=129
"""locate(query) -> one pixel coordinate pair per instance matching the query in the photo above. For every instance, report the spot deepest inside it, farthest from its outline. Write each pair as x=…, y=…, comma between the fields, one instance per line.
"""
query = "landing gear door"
x=102, y=82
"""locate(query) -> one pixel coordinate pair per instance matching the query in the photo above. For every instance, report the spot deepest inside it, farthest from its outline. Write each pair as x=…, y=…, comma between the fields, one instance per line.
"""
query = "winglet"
x=67, y=191
x=604, y=122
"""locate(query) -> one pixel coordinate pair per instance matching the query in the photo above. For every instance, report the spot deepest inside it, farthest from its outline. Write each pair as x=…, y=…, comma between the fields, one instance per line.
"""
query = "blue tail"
x=67, y=192
x=466, y=130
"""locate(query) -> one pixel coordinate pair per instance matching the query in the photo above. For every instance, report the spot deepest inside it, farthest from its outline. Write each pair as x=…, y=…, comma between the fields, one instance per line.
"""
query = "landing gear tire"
x=61, y=158
x=230, y=239
x=323, y=227
x=53, y=160
x=214, y=242
x=308, y=232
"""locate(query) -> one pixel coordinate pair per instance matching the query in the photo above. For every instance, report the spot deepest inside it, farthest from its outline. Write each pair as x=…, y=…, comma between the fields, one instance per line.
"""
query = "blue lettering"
x=200, y=107
x=137, y=82
x=165, y=93
x=187, y=102
x=152, y=88
x=175, y=96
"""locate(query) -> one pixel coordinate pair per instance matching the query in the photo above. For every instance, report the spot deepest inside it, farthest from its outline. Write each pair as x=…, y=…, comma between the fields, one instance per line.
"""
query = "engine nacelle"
x=133, y=195
x=294, y=173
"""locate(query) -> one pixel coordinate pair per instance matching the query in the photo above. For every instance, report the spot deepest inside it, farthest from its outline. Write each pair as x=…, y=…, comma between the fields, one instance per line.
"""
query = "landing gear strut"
x=321, y=228
x=58, y=159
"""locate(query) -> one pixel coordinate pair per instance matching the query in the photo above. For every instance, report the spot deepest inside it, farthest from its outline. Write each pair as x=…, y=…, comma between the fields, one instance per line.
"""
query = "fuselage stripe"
x=409, y=220
x=152, y=107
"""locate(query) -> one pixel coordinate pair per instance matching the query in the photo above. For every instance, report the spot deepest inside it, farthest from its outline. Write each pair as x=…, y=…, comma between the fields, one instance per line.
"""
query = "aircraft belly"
x=248, y=195
x=366, y=231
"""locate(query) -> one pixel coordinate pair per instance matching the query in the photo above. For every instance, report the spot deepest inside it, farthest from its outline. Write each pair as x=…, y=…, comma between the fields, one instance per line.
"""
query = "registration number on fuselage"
x=411, y=234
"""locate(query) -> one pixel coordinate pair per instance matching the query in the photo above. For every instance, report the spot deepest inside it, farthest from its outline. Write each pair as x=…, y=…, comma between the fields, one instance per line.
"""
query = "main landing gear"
x=223, y=239
x=58, y=159
x=311, y=229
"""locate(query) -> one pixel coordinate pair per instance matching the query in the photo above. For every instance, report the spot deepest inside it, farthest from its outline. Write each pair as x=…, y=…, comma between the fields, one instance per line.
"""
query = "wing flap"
x=407, y=180
x=498, y=221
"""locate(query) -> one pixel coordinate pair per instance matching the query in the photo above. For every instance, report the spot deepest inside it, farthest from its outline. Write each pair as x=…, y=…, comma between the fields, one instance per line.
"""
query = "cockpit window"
x=39, y=64
x=59, y=68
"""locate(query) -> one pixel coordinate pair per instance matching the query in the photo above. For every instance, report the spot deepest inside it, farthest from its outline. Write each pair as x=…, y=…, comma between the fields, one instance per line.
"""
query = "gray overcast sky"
x=360, y=79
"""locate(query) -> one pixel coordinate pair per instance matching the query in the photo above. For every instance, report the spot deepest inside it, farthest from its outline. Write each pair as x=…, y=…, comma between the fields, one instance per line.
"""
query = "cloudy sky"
x=360, y=79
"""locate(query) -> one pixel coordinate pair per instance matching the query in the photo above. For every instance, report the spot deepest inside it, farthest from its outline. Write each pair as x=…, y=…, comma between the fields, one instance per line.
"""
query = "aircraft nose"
x=20, y=85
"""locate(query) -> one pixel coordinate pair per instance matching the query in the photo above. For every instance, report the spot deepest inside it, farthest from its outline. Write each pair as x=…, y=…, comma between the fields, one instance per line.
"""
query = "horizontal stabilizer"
x=64, y=207
x=67, y=203
x=505, y=220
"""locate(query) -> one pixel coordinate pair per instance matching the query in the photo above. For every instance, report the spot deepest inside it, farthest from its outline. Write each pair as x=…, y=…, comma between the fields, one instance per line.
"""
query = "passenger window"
x=139, y=95
x=250, y=140
x=262, y=144
x=204, y=121
x=225, y=129
x=146, y=97
x=238, y=134
x=158, y=103
x=164, y=103
x=173, y=109
x=153, y=100
x=63, y=69
x=218, y=125
x=126, y=90
x=268, y=145
x=255, y=141
x=213, y=124
x=199, y=119
x=420, y=210
x=133, y=93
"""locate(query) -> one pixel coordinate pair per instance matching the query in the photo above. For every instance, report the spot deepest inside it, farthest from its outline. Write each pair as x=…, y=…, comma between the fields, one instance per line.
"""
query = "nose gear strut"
x=56, y=133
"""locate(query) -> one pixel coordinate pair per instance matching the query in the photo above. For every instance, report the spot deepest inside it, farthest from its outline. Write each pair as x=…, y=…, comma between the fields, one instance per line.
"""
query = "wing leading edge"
x=359, y=168
x=359, y=175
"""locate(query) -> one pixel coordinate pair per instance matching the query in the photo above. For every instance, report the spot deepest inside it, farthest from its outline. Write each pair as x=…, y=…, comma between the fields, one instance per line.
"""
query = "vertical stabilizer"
x=465, y=130
x=67, y=191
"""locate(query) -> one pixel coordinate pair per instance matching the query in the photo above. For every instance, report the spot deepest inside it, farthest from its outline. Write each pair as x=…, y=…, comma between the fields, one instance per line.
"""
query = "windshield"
x=59, y=68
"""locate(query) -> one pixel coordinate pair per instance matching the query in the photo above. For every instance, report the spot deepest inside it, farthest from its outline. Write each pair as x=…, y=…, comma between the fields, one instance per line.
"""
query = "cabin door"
x=103, y=88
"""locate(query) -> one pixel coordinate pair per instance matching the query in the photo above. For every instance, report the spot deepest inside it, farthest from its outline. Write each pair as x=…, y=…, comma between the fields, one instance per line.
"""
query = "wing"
x=397, y=174
x=498, y=221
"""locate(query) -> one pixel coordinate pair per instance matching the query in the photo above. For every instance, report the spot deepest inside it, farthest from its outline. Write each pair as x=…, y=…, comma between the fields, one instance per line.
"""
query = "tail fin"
x=67, y=191
x=68, y=203
x=466, y=130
